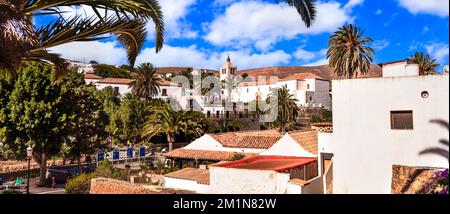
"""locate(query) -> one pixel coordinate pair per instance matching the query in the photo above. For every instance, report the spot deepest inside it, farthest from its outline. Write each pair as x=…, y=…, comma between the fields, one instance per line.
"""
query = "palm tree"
x=286, y=105
x=305, y=8
x=347, y=52
x=22, y=40
x=146, y=82
x=427, y=65
x=169, y=122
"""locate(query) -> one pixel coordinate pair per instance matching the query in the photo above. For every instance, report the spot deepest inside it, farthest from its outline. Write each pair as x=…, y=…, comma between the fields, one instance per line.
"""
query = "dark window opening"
x=402, y=120
x=164, y=92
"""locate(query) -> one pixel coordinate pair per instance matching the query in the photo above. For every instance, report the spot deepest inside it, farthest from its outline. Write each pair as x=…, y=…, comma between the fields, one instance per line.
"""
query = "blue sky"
x=259, y=33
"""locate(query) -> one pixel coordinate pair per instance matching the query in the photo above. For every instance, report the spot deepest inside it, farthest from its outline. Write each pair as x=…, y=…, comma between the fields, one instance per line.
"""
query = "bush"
x=80, y=184
x=10, y=191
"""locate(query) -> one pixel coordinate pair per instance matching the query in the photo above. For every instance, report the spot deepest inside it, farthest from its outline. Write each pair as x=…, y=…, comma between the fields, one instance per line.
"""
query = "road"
x=34, y=189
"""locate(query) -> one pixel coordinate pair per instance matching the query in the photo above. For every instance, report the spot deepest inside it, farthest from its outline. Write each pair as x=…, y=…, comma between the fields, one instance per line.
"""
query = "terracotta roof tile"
x=322, y=124
x=306, y=139
x=252, y=139
x=275, y=163
x=121, y=81
x=167, y=83
x=204, y=154
x=89, y=75
x=199, y=175
x=302, y=76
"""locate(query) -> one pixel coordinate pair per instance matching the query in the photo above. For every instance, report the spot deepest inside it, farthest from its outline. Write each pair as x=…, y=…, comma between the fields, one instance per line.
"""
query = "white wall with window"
x=378, y=122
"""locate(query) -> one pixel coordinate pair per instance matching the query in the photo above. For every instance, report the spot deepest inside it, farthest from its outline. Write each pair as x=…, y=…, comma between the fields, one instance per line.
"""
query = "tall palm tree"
x=22, y=40
x=286, y=106
x=146, y=82
x=305, y=8
x=165, y=120
x=348, y=53
x=427, y=65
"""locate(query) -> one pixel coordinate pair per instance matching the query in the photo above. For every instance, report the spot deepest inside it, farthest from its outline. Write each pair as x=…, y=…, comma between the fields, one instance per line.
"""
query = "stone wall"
x=112, y=186
x=411, y=180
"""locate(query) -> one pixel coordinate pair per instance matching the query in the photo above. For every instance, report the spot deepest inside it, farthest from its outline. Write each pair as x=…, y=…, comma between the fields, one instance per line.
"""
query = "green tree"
x=111, y=71
x=110, y=102
x=147, y=82
x=88, y=120
x=129, y=119
x=38, y=115
x=23, y=40
x=348, y=53
x=165, y=120
x=427, y=65
x=286, y=106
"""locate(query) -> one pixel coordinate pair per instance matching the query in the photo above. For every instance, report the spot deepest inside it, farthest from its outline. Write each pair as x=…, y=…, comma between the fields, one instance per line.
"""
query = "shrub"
x=10, y=191
x=238, y=156
x=80, y=184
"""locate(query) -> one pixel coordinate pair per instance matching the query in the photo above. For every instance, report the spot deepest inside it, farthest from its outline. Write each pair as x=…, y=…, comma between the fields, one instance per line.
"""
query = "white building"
x=309, y=89
x=119, y=85
x=379, y=122
x=283, y=164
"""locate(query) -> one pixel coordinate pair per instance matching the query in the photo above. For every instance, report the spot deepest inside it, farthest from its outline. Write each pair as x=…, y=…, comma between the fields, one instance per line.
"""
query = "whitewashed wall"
x=243, y=181
x=184, y=184
x=365, y=147
x=123, y=89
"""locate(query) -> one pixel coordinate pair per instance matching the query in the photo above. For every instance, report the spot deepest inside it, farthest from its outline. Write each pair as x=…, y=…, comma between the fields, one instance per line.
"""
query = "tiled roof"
x=302, y=76
x=167, y=83
x=248, y=139
x=322, y=124
x=204, y=154
x=199, y=175
x=275, y=163
x=89, y=75
x=306, y=139
x=121, y=81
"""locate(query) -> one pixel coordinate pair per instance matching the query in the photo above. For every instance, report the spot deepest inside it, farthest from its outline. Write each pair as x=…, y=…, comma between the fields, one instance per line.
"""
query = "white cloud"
x=434, y=7
x=439, y=51
x=262, y=24
x=380, y=44
x=352, y=3
x=174, y=13
x=306, y=56
x=102, y=52
x=193, y=57
x=378, y=12
x=425, y=29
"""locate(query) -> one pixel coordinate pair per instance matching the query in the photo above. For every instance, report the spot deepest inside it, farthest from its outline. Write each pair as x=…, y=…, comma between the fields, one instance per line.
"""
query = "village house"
x=379, y=123
x=291, y=164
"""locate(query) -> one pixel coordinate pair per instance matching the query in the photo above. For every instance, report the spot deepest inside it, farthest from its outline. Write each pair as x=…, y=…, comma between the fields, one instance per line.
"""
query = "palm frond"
x=123, y=9
x=131, y=33
x=305, y=8
x=59, y=65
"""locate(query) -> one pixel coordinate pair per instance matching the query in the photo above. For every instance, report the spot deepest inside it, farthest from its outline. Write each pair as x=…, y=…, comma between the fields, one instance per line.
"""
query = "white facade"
x=287, y=146
x=121, y=88
x=401, y=68
x=363, y=143
x=244, y=181
x=191, y=185
x=308, y=92
x=206, y=142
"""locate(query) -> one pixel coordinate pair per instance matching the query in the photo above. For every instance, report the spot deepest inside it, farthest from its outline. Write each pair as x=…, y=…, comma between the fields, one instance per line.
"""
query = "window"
x=401, y=120
x=307, y=86
x=164, y=92
x=217, y=114
x=208, y=114
x=310, y=99
x=116, y=90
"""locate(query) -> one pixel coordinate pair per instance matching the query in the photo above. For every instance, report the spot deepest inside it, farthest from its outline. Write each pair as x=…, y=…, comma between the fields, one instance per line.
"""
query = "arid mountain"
x=283, y=71
x=321, y=70
x=177, y=70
